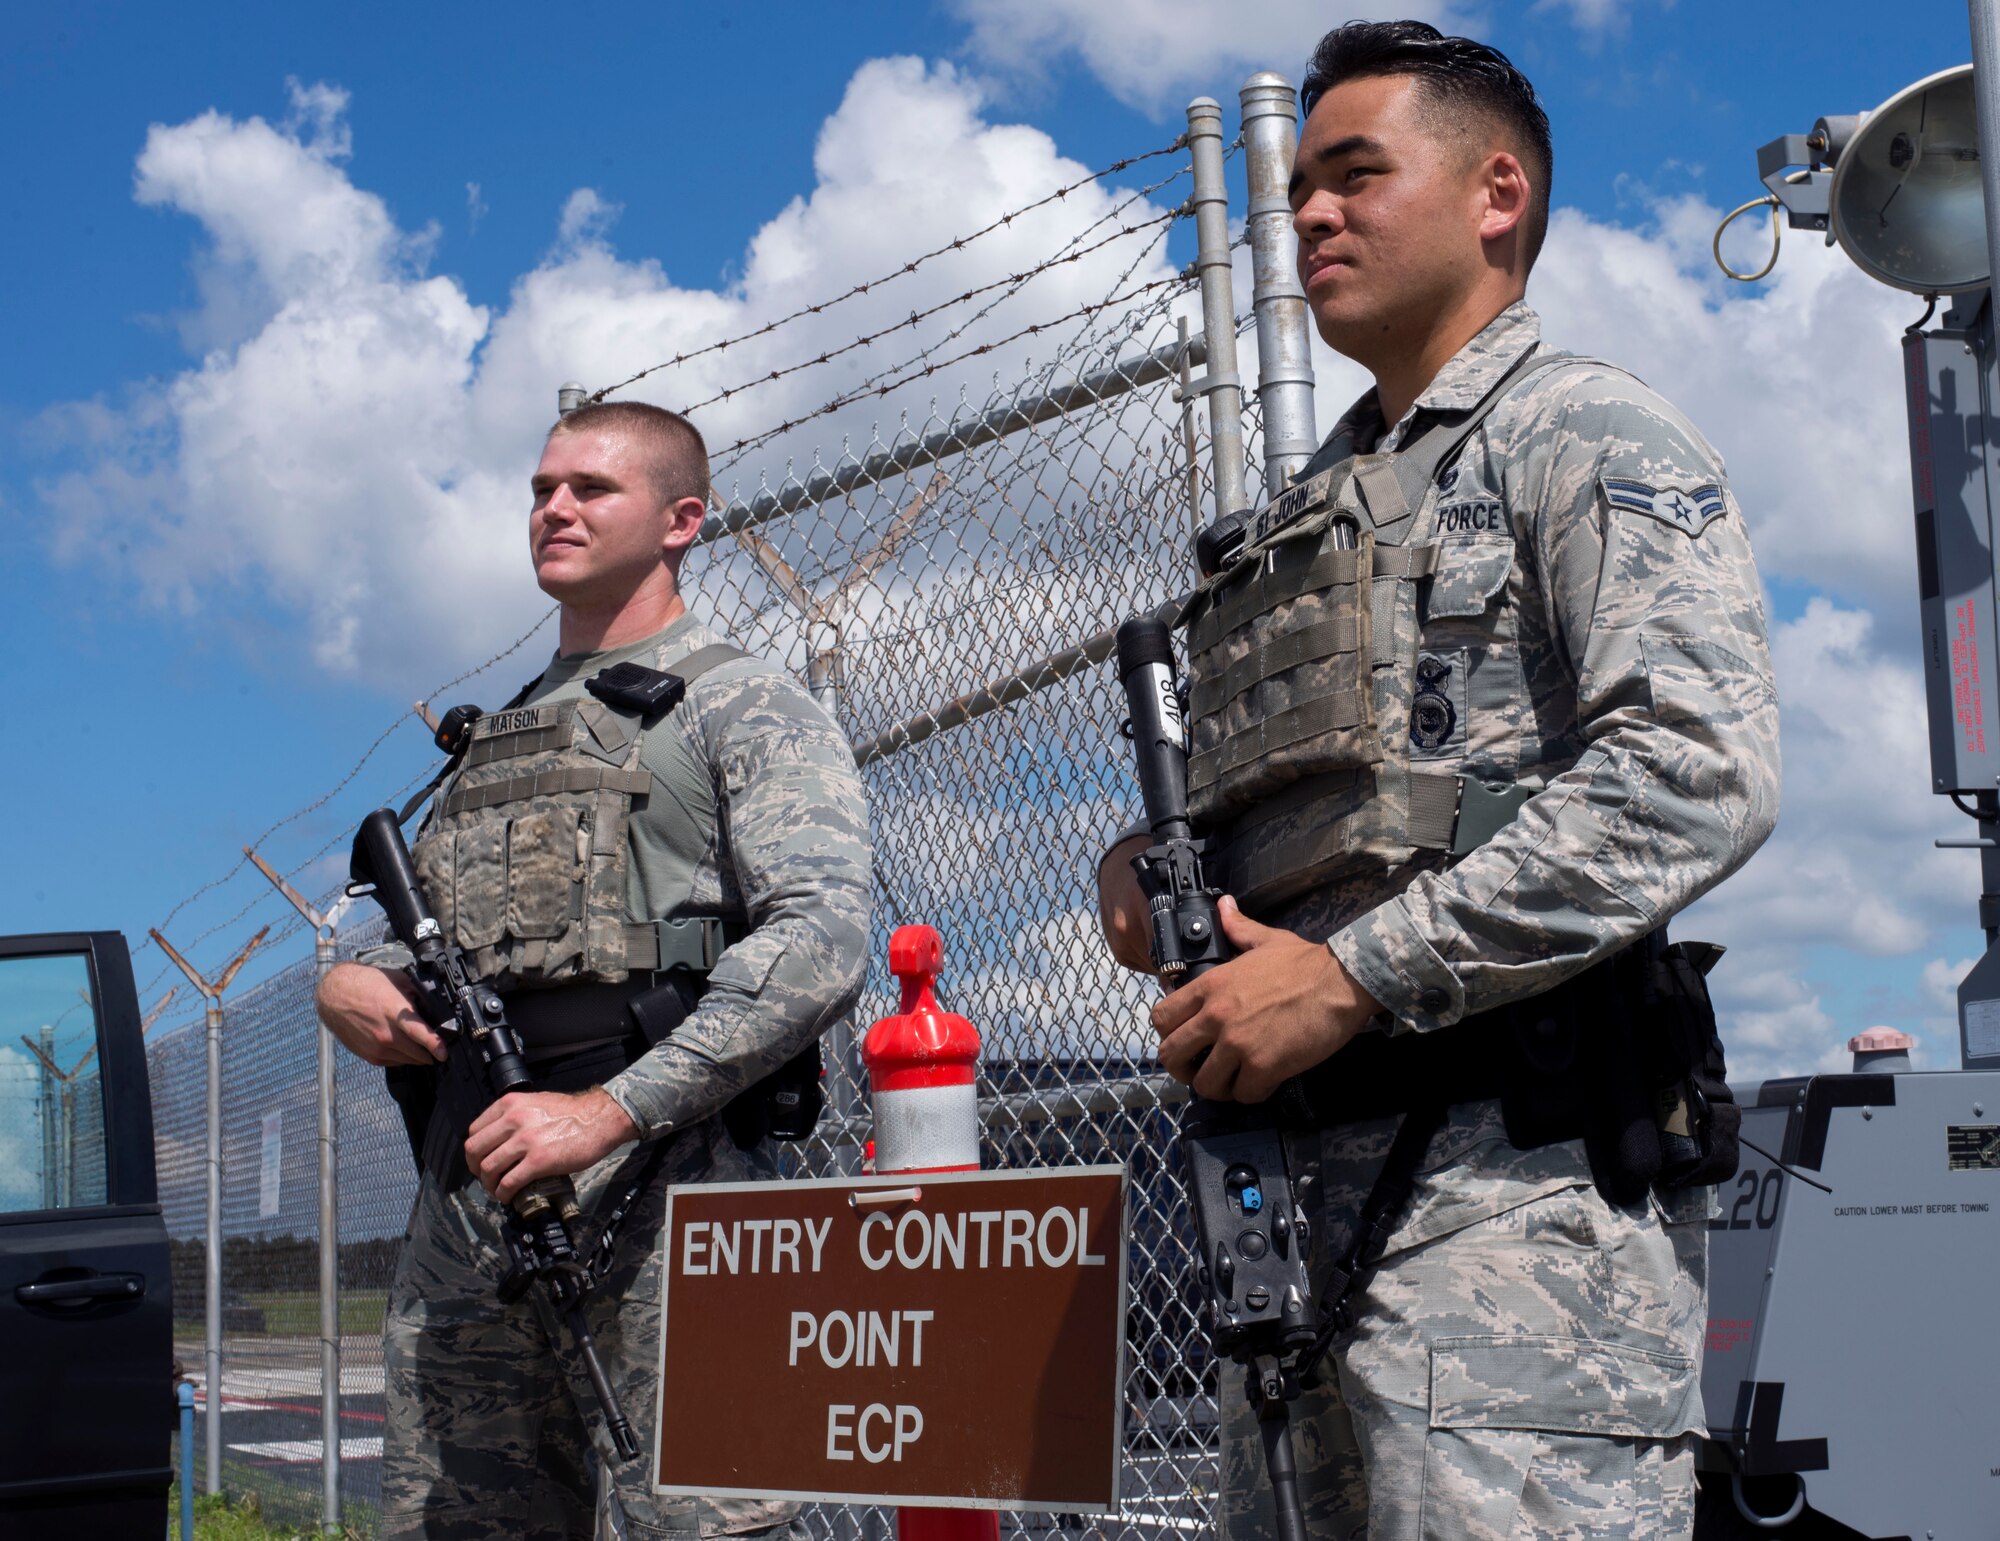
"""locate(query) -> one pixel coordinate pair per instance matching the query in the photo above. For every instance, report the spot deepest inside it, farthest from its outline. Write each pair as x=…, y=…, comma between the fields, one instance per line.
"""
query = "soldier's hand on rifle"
x=526, y=1136
x=373, y=1013
x=1280, y=1008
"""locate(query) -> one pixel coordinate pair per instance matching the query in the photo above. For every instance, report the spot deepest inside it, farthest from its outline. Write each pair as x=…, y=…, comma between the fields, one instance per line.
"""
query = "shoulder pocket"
x=1469, y=574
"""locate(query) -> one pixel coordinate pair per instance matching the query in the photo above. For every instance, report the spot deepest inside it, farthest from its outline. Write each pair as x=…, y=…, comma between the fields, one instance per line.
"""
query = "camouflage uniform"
x=754, y=811
x=1525, y=1360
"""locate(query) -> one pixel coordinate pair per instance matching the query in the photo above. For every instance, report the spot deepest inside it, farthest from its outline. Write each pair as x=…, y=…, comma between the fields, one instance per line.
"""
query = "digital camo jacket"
x=1620, y=661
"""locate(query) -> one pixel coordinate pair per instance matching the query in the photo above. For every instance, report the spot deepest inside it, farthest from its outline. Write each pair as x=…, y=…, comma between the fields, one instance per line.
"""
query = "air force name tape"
x=1296, y=501
x=526, y=719
x=1689, y=510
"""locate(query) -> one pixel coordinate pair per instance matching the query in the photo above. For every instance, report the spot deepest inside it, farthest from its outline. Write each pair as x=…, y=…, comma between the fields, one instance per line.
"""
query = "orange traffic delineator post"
x=923, y=1066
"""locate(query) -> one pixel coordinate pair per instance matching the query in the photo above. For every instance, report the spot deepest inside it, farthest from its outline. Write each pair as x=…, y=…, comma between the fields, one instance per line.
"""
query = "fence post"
x=52, y=1195
x=329, y=1259
x=823, y=682
x=1221, y=384
x=329, y=1206
x=184, y=1399
x=212, y=1246
x=1284, y=348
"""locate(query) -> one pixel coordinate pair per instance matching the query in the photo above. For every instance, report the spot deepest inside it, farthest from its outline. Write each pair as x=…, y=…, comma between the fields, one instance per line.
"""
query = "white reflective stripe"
x=927, y=1126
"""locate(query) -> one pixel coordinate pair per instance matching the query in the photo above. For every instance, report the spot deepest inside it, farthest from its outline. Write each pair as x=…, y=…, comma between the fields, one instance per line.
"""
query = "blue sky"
x=176, y=689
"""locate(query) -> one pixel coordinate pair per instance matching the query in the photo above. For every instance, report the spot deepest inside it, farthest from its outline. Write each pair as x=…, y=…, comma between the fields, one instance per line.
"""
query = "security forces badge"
x=1688, y=509
x=1437, y=705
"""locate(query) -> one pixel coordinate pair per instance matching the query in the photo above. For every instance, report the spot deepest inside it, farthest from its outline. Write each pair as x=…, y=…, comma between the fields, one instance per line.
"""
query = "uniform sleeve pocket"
x=1562, y=1385
x=746, y=966
x=1469, y=574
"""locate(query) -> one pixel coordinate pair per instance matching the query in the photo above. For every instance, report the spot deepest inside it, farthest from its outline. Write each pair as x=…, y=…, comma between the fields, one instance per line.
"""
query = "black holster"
x=785, y=1105
x=414, y=1090
x=1625, y=1057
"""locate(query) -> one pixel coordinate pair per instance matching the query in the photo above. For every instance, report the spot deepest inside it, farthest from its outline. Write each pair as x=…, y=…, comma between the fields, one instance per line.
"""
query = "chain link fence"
x=949, y=592
x=271, y=1376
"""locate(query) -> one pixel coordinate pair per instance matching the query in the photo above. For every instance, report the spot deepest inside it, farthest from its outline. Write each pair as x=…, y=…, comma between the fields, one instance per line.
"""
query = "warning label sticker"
x=1972, y=1147
x=1982, y=1029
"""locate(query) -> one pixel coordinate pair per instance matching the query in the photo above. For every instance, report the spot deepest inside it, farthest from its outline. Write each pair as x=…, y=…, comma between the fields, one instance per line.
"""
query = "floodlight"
x=1906, y=201
x=1899, y=188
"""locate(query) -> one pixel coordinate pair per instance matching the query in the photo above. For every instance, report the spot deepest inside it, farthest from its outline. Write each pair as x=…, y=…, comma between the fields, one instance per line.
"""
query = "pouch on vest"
x=1305, y=671
x=525, y=857
x=1279, y=660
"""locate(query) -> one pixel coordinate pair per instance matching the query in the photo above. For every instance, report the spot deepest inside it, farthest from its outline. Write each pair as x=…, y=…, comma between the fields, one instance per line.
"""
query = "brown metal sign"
x=932, y=1338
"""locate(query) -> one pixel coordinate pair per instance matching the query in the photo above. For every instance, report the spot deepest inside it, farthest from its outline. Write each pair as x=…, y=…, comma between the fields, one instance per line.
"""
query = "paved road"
x=271, y=1417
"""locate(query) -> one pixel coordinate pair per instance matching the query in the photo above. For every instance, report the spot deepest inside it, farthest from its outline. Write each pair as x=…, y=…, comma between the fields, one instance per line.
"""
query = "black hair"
x=1457, y=76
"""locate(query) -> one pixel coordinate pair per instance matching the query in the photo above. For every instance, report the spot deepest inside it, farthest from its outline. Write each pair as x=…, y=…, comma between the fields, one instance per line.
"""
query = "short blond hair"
x=676, y=454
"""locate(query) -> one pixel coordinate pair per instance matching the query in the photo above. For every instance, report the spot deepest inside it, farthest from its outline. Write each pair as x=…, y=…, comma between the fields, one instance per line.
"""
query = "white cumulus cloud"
x=1154, y=54
x=1591, y=16
x=355, y=439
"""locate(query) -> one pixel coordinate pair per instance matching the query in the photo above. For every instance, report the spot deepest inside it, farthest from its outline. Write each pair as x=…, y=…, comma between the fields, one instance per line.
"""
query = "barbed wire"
x=918, y=317
x=911, y=266
x=238, y=867
x=1092, y=334
x=1084, y=234
x=729, y=457
x=1058, y=435
x=861, y=393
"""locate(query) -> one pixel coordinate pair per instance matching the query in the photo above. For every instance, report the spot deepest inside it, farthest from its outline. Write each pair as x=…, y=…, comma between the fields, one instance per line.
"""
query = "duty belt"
x=577, y=1016
x=1379, y=1075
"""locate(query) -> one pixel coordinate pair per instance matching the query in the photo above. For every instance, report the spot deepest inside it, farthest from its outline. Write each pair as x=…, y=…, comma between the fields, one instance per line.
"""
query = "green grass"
x=295, y=1313
x=217, y=1517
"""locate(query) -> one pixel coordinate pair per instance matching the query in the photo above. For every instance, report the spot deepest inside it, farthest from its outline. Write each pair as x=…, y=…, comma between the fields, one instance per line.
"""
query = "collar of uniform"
x=678, y=638
x=1357, y=432
x=1471, y=372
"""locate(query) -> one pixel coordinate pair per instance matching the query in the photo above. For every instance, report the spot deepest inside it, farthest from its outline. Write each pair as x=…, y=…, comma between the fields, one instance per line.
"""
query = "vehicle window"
x=51, y=1095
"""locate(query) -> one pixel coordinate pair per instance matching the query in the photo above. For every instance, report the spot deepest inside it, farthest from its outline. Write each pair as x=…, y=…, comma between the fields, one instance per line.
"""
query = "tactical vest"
x=526, y=857
x=1305, y=690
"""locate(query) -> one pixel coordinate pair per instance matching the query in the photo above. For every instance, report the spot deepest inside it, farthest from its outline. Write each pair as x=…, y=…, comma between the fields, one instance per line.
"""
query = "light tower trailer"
x=1852, y=1366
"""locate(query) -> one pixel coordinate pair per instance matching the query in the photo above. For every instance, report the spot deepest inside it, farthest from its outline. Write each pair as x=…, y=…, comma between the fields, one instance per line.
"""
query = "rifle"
x=1256, y=1292
x=464, y=1009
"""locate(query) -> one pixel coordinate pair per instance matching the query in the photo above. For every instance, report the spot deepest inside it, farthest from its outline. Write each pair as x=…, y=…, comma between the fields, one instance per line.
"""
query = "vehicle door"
x=86, y=1311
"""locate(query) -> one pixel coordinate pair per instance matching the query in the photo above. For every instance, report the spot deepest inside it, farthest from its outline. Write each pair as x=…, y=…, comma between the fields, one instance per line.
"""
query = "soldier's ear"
x=1509, y=195
x=684, y=521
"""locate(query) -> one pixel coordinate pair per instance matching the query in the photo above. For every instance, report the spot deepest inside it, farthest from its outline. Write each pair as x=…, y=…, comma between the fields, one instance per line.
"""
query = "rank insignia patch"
x=1689, y=510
